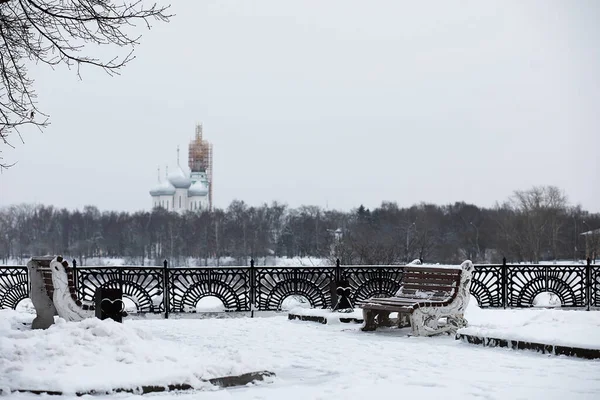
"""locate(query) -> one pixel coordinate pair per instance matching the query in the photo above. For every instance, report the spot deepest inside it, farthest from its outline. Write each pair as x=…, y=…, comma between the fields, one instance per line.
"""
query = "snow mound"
x=576, y=328
x=546, y=299
x=100, y=355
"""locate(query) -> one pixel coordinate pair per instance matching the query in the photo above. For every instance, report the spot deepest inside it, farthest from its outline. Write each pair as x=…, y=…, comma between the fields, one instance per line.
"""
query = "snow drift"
x=95, y=355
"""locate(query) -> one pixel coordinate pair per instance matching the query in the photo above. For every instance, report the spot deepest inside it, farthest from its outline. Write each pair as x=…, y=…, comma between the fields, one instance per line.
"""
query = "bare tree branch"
x=55, y=32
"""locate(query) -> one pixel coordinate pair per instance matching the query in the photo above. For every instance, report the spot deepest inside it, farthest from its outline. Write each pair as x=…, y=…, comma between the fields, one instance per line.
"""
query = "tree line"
x=531, y=226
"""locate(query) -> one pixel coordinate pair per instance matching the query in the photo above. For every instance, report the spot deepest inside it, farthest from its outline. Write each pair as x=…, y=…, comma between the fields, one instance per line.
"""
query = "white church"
x=187, y=189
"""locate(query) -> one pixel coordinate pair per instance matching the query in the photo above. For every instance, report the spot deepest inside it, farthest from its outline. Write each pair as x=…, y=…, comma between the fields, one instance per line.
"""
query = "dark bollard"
x=109, y=304
x=342, y=291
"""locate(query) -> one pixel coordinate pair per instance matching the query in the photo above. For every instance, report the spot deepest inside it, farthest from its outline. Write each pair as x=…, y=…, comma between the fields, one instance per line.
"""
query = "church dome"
x=164, y=188
x=155, y=190
x=198, y=189
x=179, y=180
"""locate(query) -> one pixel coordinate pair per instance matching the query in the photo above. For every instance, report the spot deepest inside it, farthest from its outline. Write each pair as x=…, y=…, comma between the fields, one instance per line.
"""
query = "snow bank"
x=546, y=299
x=100, y=355
x=575, y=328
x=332, y=317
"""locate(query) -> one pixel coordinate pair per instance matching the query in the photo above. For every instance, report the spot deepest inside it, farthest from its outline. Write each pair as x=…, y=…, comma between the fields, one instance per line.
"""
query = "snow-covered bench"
x=53, y=292
x=426, y=295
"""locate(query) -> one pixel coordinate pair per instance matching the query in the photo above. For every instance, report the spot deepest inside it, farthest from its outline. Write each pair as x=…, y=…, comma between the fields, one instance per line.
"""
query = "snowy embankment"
x=97, y=355
x=573, y=328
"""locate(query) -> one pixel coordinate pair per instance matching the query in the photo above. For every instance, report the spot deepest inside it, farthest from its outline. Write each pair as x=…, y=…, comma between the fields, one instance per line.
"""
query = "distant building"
x=187, y=189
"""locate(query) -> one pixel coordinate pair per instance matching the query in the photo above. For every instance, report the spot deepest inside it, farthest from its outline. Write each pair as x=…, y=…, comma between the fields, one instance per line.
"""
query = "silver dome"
x=198, y=189
x=179, y=180
x=163, y=189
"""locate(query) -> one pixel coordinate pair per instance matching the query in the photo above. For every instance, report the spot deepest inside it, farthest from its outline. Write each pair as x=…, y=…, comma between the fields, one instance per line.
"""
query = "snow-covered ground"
x=311, y=360
x=574, y=328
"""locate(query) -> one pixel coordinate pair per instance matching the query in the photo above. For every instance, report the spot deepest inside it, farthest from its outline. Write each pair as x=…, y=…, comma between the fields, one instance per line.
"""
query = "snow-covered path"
x=315, y=361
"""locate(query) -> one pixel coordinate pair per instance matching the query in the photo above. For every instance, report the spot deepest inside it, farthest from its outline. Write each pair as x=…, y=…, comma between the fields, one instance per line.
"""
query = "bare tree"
x=55, y=32
x=541, y=209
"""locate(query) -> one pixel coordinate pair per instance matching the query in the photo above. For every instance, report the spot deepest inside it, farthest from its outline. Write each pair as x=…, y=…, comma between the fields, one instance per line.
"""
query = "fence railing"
x=178, y=290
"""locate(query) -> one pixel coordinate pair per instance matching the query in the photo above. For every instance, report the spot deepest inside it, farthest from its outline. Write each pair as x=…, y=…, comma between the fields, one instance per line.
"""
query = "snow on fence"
x=266, y=288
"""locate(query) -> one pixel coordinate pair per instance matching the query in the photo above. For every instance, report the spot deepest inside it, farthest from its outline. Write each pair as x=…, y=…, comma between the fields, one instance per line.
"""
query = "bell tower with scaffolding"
x=200, y=161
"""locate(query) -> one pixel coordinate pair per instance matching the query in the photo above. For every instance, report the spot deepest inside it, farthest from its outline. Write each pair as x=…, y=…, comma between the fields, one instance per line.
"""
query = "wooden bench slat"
x=416, y=294
x=425, y=278
x=390, y=307
x=391, y=301
x=432, y=271
x=388, y=299
x=426, y=288
x=403, y=300
x=451, y=271
x=425, y=283
x=432, y=298
x=448, y=278
x=412, y=292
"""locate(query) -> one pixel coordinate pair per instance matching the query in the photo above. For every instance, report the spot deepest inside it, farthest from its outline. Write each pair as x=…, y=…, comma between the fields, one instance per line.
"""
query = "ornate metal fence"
x=178, y=290
x=14, y=286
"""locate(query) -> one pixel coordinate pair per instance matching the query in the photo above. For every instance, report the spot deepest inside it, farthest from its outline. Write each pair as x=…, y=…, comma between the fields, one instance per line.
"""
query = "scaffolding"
x=200, y=160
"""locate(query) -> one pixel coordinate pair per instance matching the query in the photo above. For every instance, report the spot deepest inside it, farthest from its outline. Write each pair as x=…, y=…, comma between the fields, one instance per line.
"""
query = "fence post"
x=545, y=278
x=338, y=270
x=588, y=273
x=252, y=288
x=121, y=278
x=75, y=283
x=166, y=288
x=504, y=282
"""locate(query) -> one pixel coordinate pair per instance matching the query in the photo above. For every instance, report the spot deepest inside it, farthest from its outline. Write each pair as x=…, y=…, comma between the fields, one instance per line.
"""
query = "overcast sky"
x=331, y=103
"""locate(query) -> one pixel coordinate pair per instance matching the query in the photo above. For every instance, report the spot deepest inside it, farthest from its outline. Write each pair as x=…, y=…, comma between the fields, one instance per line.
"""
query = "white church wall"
x=180, y=199
x=197, y=203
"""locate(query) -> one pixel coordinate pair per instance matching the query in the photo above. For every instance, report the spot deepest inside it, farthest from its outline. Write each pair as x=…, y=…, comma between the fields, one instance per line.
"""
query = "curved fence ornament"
x=199, y=290
x=274, y=285
x=524, y=283
x=373, y=281
x=143, y=286
x=593, y=297
x=266, y=288
x=486, y=286
x=14, y=286
x=187, y=286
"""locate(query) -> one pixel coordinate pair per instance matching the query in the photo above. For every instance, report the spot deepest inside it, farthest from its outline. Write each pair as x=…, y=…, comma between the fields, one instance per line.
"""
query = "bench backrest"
x=430, y=283
x=43, y=268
